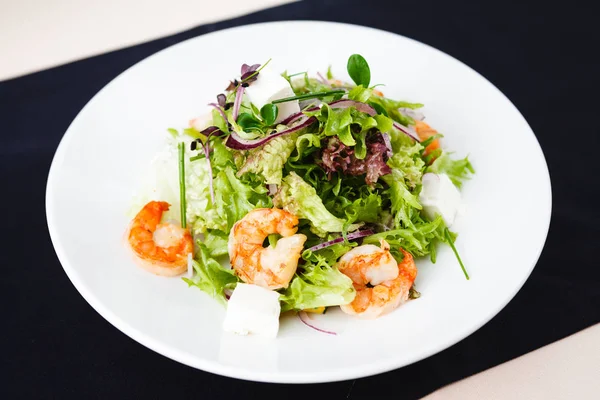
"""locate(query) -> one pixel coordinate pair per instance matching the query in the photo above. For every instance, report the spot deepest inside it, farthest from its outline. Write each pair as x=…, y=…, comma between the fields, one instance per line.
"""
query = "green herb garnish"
x=182, y=184
x=359, y=70
x=314, y=95
x=451, y=243
x=269, y=113
x=329, y=74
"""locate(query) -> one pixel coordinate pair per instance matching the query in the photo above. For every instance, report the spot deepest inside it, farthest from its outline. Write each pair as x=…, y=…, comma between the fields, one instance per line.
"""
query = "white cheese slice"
x=271, y=86
x=440, y=196
x=253, y=310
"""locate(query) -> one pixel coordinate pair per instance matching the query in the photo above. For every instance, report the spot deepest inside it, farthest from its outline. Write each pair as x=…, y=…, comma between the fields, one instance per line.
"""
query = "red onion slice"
x=323, y=80
x=210, y=131
x=298, y=115
x=304, y=318
x=362, y=107
x=407, y=131
x=351, y=236
x=388, y=144
x=238, y=101
x=234, y=141
x=343, y=103
x=414, y=114
x=292, y=118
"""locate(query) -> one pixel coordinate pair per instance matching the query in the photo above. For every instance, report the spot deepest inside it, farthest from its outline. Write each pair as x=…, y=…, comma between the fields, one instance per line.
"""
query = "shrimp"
x=381, y=283
x=425, y=131
x=160, y=248
x=269, y=267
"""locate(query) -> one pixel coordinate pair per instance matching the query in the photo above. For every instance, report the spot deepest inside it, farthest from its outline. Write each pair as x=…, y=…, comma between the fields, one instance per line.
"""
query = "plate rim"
x=339, y=374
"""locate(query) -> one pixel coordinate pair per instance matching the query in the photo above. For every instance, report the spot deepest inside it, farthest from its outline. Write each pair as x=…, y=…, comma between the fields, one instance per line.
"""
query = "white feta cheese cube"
x=439, y=196
x=253, y=310
x=271, y=86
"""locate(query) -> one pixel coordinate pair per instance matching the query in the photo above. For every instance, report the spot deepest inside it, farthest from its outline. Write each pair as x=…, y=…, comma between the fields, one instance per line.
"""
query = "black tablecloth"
x=542, y=56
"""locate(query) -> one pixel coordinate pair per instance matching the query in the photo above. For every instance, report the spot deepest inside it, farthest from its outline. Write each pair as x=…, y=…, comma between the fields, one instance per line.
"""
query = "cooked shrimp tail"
x=381, y=283
x=161, y=248
x=269, y=267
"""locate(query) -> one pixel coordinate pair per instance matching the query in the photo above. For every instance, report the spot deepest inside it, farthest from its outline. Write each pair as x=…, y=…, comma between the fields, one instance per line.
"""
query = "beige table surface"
x=54, y=32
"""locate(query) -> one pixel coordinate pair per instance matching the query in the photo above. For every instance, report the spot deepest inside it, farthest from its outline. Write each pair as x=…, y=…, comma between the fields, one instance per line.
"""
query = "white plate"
x=107, y=147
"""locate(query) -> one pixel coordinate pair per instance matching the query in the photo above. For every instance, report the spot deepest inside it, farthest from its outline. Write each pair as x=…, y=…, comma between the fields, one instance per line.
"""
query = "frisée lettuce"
x=341, y=159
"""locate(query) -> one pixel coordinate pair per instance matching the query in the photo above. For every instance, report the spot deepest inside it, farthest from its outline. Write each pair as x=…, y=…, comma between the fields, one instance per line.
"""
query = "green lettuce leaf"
x=216, y=242
x=360, y=93
x=409, y=164
x=219, y=122
x=366, y=209
x=233, y=200
x=398, y=191
x=329, y=254
x=391, y=107
x=319, y=285
x=305, y=145
x=301, y=199
x=338, y=123
x=221, y=156
x=211, y=277
x=269, y=159
x=405, y=205
x=419, y=240
x=457, y=170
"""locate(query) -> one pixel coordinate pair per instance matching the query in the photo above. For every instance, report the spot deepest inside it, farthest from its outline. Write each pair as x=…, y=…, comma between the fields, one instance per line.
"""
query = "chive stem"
x=182, y=184
x=451, y=243
x=296, y=74
x=309, y=96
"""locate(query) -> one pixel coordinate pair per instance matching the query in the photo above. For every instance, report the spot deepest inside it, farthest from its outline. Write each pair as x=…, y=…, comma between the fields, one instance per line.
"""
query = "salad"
x=299, y=193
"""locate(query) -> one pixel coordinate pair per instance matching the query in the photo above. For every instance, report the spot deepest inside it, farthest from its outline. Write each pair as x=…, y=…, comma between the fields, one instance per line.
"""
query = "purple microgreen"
x=232, y=85
x=210, y=173
x=238, y=101
x=221, y=99
x=248, y=68
x=219, y=109
x=254, y=73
